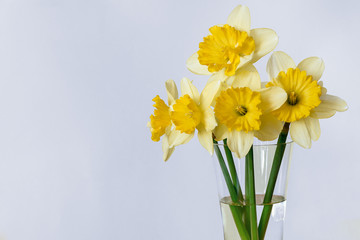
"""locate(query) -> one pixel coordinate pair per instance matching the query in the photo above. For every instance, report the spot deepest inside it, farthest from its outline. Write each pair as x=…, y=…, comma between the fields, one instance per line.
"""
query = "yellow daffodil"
x=307, y=99
x=231, y=46
x=160, y=122
x=192, y=111
x=244, y=111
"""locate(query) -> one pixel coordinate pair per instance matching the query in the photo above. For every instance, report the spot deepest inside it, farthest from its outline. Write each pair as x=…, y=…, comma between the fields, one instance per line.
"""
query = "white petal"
x=265, y=41
x=240, y=19
x=270, y=128
x=208, y=119
x=299, y=133
x=209, y=93
x=240, y=142
x=220, y=132
x=313, y=66
x=177, y=138
x=167, y=151
x=218, y=76
x=194, y=65
x=188, y=88
x=328, y=106
x=206, y=140
x=334, y=102
x=172, y=91
x=272, y=98
x=279, y=61
x=313, y=127
x=247, y=76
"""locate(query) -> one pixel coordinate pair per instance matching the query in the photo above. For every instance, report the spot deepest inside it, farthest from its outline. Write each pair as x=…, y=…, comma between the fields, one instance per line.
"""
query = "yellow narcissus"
x=160, y=122
x=307, y=99
x=192, y=111
x=231, y=46
x=244, y=111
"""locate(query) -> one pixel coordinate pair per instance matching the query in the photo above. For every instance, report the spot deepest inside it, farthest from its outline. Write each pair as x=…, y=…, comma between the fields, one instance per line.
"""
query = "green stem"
x=252, y=194
x=234, y=197
x=247, y=200
x=233, y=172
x=279, y=153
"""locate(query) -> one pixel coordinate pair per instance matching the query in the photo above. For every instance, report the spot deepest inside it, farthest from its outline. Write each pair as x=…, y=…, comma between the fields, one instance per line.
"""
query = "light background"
x=76, y=83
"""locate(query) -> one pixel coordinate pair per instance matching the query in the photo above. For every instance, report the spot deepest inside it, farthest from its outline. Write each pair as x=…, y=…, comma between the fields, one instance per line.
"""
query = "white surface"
x=76, y=83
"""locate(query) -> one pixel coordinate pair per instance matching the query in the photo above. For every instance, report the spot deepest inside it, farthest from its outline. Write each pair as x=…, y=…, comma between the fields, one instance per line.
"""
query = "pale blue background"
x=76, y=83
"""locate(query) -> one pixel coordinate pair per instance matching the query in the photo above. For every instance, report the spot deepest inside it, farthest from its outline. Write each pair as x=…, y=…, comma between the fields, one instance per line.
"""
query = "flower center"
x=237, y=108
x=186, y=115
x=224, y=47
x=292, y=98
x=160, y=120
x=303, y=94
x=241, y=110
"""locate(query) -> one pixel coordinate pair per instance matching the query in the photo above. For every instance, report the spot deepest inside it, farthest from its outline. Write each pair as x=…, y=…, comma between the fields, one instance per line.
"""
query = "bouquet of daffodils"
x=235, y=106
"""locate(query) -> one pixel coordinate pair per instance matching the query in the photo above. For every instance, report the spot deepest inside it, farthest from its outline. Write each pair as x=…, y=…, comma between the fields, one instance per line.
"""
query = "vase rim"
x=263, y=145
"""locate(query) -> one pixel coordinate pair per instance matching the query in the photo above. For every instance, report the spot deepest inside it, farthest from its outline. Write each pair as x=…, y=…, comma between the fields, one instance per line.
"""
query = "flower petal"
x=188, y=88
x=313, y=127
x=334, y=102
x=209, y=93
x=240, y=19
x=194, y=65
x=299, y=133
x=205, y=139
x=240, y=142
x=208, y=119
x=265, y=41
x=270, y=128
x=167, y=151
x=172, y=91
x=328, y=107
x=247, y=76
x=313, y=66
x=177, y=138
x=279, y=61
x=220, y=132
x=272, y=98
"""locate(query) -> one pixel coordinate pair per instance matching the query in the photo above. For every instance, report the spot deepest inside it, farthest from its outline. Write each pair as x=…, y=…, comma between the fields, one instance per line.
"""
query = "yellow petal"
x=167, y=151
x=265, y=41
x=194, y=65
x=300, y=134
x=247, y=76
x=270, y=128
x=208, y=94
x=313, y=66
x=206, y=140
x=279, y=61
x=172, y=91
x=177, y=138
x=220, y=132
x=239, y=18
x=240, y=142
x=272, y=98
x=208, y=119
x=188, y=88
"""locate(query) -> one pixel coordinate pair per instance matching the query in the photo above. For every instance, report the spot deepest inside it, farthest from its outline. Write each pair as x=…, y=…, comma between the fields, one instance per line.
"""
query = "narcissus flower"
x=307, y=99
x=231, y=46
x=192, y=111
x=160, y=122
x=244, y=111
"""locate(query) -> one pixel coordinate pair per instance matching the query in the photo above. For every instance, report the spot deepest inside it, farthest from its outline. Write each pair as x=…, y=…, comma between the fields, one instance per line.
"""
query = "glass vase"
x=235, y=213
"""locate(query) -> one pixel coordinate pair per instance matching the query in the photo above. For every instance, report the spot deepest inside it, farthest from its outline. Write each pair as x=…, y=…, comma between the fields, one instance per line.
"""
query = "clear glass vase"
x=236, y=214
